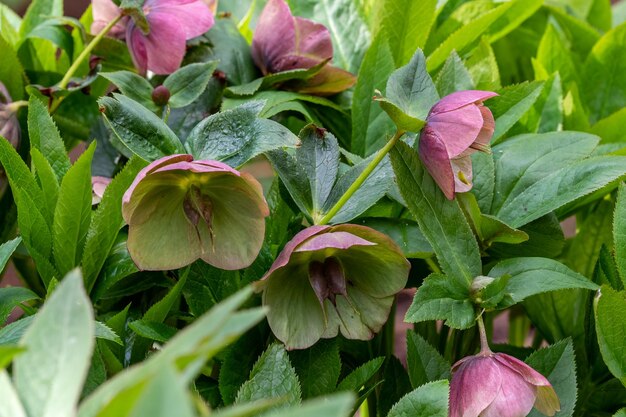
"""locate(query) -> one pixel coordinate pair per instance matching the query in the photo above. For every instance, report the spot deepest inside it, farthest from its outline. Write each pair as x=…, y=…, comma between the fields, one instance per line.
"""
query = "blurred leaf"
x=11, y=406
x=49, y=376
x=619, y=235
x=11, y=297
x=38, y=12
x=608, y=305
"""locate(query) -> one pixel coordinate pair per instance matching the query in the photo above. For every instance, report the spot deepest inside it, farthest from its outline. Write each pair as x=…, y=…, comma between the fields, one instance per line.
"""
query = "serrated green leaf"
x=554, y=56
x=425, y=363
x=530, y=276
x=50, y=374
x=37, y=13
x=186, y=84
x=49, y=183
x=317, y=367
x=483, y=67
x=619, y=232
x=439, y=298
x=6, y=250
x=235, y=136
x=440, y=220
x=73, y=213
x=237, y=364
x=406, y=25
x=611, y=128
x=153, y=330
x=144, y=133
x=11, y=297
x=396, y=384
x=271, y=377
x=608, y=305
x=370, y=125
x=558, y=364
x=453, y=76
x=356, y=379
x=106, y=222
x=133, y=86
x=428, y=400
x=104, y=332
x=465, y=36
x=512, y=103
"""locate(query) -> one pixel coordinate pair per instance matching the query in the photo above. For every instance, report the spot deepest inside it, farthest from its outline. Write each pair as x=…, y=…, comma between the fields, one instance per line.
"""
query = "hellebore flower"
x=171, y=23
x=498, y=385
x=457, y=126
x=98, y=185
x=179, y=210
x=331, y=278
x=283, y=42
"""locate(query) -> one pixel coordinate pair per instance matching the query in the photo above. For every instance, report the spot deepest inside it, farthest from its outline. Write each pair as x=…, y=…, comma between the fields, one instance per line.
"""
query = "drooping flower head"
x=171, y=23
x=333, y=278
x=457, y=126
x=498, y=385
x=283, y=42
x=179, y=210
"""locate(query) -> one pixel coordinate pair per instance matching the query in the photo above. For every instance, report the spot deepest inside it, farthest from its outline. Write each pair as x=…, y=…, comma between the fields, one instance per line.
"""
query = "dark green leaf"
x=186, y=84
x=395, y=385
x=6, y=250
x=453, y=76
x=404, y=232
x=512, y=103
x=425, y=363
x=361, y=375
x=11, y=297
x=318, y=368
x=611, y=331
x=133, y=86
x=619, y=232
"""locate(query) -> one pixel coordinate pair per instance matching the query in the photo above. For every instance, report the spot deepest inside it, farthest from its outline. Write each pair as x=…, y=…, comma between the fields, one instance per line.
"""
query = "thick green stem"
x=484, y=344
x=361, y=179
x=87, y=51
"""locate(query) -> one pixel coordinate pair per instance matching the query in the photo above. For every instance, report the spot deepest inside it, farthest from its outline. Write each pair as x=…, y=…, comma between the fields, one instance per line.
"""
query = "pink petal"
x=335, y=240
x=462, y=169
x=274, y=37
x=489, y=126
x=283, y=258
x=136, y=42
x=474, y=386
x=193, y=16
x=163, y=48
x=457, y=128
x=515, y=398
x=434, y=156
x=104, y=11
x=459, y=99
x=529, y=374
x=313, y=40
x=198, y=167
x=98, y=186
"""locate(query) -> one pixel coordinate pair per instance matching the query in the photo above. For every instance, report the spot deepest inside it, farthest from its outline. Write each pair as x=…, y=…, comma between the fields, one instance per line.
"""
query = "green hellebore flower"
x=179, y=210
x=333, y=278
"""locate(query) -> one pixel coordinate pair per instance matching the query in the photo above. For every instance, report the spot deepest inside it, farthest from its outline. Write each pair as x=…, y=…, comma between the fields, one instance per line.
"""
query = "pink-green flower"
x=170, y=24
x=98, y=186
x=333, y=278
x=457, y=126
x=498, y=385
x=283, y=42
x=179, y=210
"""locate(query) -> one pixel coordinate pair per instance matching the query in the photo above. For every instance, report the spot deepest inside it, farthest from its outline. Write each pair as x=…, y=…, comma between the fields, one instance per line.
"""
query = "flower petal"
x=274, y=37
x=528, y=373
x=462, y=169
x=194, y=15
x=515, y=398
x=332, y=240
x=312, y=40
x=460, y=99
x=474, y=386
x=434, y=156
x=457, y=128
x=104, y=11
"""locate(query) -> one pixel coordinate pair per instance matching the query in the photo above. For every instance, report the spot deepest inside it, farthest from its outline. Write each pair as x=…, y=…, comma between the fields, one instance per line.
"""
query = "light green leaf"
x=619, y=232
x=425, y=363
x=530, y=276
x=483, y=67
x=49, y=183
x=11, y=297
x=106, y=222
x=611, y=128
x=73, y=213
x=186, y=84
x=165, y=395
x=441, y=221
x=406, y=25
x=38, y=12
x=11, y=406
x=465, y=36
x=7, y=353
x=558, y=364
x=235, y=136
x=508, y=108
x=438, y=298
x=608, y=305
x=428, y=400
x=50, y=374
x=553, y=56
x=271, y=377
x=370, y=125
x=338, y=405
x=143, y=132
x=6, y=250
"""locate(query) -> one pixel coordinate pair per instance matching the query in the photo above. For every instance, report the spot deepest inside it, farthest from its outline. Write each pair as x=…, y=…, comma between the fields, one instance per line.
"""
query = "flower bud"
x=161, y=95
x=457, y=126
x=498, y=385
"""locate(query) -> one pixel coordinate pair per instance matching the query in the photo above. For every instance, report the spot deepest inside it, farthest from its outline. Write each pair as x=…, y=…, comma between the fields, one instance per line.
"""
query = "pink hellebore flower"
x=498, y=385
x=171, y=23
x=283, y=42
x=179, y=210
x=98, y=186
x=457, y=126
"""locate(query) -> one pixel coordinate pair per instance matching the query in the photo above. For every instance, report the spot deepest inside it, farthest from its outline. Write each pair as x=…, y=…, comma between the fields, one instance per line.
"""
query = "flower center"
x=198, y=206
x=327, y=279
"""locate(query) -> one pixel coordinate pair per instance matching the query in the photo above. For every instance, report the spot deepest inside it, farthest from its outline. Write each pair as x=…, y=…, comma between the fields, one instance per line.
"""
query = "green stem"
x=484, y=344
x=87, y=51
x=361, y=179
